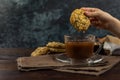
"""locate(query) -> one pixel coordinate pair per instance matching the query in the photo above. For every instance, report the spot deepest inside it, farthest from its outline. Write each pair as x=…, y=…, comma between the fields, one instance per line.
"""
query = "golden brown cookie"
x=56, y=50
x=54, y=44
x=79, y=20
x=40, y=51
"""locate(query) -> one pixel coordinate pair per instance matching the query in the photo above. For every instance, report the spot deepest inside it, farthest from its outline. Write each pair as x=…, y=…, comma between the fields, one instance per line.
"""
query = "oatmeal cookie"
x=56, y=50
x=54, y=44
x=79, y=21
x=40, y=51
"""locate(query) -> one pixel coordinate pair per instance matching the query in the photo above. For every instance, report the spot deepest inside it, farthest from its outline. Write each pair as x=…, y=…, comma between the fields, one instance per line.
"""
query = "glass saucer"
x=63, y=58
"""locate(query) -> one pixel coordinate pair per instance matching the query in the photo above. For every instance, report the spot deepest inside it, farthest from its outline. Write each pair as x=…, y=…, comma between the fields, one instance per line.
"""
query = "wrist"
x=114, y=27
x=113, y=24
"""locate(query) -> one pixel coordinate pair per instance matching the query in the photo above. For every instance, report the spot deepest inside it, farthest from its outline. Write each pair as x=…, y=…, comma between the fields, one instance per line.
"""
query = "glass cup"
x=79, y=48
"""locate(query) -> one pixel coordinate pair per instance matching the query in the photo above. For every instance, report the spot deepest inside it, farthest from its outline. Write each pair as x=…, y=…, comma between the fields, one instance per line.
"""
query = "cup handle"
x=96, y=57
x=99, y=49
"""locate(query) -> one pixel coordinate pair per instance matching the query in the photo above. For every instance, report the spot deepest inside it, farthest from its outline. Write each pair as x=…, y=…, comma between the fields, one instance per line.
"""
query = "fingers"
x=90, y=12
x=97, y=24
x=89, y=9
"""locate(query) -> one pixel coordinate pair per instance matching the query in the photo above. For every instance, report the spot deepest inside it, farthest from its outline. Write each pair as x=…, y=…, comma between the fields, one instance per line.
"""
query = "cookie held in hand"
x=79, y=21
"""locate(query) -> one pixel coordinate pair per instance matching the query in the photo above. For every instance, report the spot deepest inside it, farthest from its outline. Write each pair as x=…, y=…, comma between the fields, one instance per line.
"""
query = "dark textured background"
x=32, y=23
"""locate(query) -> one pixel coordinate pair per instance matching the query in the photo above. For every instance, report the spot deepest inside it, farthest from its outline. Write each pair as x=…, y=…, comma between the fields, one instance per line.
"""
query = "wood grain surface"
x=9, y=71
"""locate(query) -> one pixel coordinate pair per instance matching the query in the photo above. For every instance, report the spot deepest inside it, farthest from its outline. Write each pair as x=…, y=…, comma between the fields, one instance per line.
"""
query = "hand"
x=98, y=17
x=102, y=19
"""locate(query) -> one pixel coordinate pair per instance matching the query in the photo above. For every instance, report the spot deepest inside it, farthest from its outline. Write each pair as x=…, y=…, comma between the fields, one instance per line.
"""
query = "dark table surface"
x=9, y=71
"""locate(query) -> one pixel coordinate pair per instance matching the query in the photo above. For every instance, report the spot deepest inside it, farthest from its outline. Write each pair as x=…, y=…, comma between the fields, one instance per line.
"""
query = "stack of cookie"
x=50, y=48
x=56, y=47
